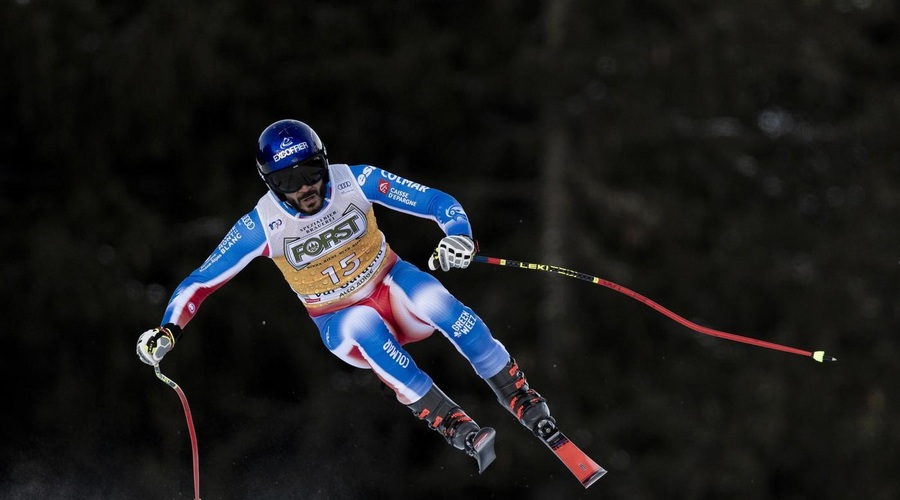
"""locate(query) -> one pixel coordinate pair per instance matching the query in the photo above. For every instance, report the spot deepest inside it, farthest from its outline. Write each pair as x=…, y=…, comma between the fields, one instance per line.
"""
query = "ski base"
x=579, y=464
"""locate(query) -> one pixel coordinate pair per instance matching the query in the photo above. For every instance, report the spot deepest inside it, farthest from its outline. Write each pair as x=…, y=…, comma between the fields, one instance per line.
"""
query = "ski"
x=582, y=466
x=482, y=447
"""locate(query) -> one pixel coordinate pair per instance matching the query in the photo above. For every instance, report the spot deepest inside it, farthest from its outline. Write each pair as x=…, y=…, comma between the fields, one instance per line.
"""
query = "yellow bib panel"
x=331, y=254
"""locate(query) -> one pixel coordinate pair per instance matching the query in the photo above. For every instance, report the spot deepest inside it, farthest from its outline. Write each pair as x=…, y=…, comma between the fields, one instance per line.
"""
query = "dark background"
x=734, y=161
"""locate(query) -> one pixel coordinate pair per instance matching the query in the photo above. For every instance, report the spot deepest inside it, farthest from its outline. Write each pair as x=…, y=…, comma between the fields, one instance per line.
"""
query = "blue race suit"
x=365, y=300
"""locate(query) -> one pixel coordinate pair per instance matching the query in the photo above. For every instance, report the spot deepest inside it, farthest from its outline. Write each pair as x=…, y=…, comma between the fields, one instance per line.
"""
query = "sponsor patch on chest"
x=300, y=251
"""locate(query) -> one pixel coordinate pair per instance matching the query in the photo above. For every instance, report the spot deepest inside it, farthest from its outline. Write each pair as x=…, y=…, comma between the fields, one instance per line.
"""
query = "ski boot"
x=447, y=418
x=523, y=402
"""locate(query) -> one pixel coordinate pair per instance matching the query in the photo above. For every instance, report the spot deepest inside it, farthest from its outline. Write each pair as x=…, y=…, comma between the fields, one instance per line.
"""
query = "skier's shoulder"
x=362, y=172
x=367, y=174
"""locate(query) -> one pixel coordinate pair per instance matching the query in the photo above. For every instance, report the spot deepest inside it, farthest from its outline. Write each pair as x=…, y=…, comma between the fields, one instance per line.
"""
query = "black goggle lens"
x=289, y=180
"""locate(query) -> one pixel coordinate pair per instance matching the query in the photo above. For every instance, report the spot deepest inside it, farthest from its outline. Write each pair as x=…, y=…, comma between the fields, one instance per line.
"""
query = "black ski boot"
x=447, y=418
x=522, y=401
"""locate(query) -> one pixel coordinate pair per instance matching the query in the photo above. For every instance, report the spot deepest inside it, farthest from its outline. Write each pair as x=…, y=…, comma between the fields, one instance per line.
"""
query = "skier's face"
x=309, y=198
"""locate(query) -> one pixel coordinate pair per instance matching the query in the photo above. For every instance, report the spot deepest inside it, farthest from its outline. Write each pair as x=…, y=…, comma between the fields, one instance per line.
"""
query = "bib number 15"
x=348, y=265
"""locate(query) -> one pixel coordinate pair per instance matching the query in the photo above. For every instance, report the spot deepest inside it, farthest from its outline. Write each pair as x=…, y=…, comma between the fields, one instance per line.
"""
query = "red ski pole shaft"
x=819, y=356
x=190, y=425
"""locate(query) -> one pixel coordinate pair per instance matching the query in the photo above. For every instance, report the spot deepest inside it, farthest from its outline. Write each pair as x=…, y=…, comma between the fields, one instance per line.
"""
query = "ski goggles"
x=307, y=173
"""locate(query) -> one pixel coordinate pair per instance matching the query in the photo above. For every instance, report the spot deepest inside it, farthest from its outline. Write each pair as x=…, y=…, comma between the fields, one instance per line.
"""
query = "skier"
x=317, y=224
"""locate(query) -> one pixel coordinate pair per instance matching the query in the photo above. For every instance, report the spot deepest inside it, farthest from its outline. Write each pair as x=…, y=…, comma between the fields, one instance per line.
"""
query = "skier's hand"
x=153, y=344
x=453, y=251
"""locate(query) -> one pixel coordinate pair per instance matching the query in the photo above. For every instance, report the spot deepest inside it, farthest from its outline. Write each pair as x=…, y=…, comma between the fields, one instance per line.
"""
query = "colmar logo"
x=395, y=353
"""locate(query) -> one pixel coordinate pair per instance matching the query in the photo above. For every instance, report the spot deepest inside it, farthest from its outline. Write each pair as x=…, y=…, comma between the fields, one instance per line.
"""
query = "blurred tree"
x=735, y=161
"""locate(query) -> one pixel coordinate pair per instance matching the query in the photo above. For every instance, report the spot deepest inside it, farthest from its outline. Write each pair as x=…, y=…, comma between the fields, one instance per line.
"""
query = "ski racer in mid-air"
x=317, y=224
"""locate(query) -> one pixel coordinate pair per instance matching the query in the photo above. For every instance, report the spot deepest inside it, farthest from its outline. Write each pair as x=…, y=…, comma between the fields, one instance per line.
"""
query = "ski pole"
x=190, y=425
x=819, y=356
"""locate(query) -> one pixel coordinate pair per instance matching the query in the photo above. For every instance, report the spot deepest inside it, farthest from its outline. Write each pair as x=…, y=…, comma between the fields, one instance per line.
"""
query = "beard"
x=311, y=202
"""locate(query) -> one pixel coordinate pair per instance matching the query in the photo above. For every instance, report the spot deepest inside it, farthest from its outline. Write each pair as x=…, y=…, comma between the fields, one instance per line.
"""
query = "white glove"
x=153, y=344
x=453, y=251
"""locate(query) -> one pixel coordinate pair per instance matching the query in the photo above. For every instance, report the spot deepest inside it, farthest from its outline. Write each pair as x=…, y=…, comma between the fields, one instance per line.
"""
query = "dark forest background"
x=737, y=162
